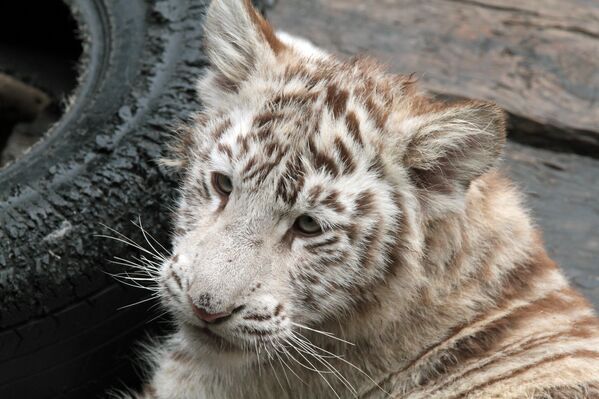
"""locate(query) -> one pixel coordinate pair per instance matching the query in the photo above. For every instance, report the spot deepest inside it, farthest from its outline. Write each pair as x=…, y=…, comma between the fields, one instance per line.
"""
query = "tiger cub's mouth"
x=207, y=336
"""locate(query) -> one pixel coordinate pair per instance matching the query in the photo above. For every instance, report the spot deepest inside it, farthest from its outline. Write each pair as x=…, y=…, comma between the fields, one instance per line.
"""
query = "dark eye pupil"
x=223, y=184
x=307, y=224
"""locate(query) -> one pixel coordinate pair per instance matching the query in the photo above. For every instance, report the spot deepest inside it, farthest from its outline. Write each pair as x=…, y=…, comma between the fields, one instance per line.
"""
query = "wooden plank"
x=539, y=59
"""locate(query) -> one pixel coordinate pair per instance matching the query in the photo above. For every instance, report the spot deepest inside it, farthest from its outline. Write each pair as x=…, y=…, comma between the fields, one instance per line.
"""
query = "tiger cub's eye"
x=306, y=225
x=222, y=184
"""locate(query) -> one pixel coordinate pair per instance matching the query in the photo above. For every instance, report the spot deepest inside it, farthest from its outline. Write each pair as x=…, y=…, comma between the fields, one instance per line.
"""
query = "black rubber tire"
x=61, y=333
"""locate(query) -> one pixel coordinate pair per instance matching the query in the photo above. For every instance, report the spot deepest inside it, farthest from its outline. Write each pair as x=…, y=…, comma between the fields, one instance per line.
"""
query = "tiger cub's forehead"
x=337, y=109
x=294, y=136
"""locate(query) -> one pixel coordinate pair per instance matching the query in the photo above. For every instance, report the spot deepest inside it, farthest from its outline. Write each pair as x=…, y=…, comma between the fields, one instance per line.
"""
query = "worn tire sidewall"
x=97, y=166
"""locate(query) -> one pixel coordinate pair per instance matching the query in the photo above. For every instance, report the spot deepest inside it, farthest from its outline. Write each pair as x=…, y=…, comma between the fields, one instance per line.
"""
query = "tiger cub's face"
x=305, y=183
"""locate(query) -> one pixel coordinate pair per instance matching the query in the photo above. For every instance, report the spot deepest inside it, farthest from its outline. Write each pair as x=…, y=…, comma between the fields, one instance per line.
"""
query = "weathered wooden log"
x=20, y=98
x=562, y=190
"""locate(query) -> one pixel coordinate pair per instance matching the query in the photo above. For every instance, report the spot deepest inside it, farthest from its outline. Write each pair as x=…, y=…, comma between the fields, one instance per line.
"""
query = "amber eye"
x=306, y=225
x=222, y=184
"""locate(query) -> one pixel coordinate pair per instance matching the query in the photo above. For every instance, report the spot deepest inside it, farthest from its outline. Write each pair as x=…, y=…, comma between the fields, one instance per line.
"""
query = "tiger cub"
x=340, y=235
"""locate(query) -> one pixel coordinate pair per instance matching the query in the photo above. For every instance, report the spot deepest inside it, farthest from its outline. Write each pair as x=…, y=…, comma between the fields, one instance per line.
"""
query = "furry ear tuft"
x=447, y=149
x=237, y=37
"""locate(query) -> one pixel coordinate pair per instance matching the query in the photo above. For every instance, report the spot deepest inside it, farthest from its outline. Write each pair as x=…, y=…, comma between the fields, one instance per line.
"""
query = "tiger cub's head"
x=306, y=183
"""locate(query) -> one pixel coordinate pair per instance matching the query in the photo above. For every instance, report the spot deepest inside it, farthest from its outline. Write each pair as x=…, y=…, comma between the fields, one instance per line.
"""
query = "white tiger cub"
x=340, y=235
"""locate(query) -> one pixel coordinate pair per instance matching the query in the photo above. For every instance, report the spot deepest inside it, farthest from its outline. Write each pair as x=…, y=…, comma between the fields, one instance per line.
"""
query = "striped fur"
x=427, y=261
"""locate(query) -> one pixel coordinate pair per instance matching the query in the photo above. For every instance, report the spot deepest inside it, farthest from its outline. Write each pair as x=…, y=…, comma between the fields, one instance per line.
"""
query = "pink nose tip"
x=208, y=317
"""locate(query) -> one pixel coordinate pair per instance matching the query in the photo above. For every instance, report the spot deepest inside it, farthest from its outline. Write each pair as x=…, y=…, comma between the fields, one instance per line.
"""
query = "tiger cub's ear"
x=445, y=150
x=237, y=37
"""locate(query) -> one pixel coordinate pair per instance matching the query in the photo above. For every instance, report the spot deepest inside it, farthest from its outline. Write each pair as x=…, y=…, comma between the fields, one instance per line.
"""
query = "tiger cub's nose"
x=202, y=314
